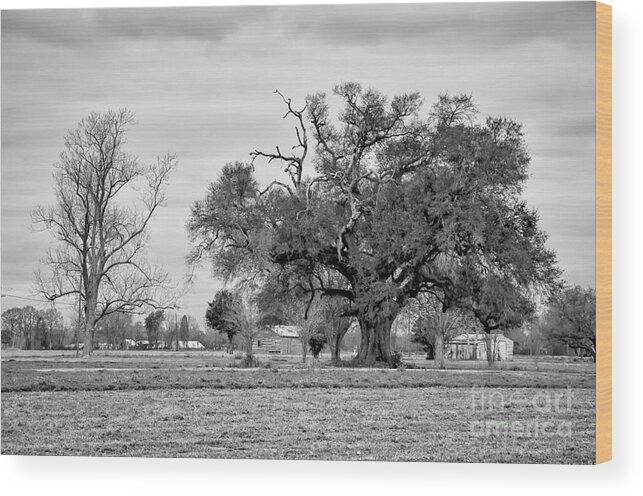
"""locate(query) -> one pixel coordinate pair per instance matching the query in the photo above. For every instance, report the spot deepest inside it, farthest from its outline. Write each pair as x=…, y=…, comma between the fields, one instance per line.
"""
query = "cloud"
x=489, y=25
x=69, y=27
x=496, y=25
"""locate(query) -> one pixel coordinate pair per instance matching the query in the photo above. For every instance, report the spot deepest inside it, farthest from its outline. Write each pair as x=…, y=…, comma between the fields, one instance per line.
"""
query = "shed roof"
x=477, y=338
x=191, y=344
x=285, y=331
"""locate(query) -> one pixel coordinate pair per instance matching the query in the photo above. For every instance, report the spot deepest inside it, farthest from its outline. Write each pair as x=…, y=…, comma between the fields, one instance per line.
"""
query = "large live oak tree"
x=571, y=319
x=389, y=200
x=105, y=200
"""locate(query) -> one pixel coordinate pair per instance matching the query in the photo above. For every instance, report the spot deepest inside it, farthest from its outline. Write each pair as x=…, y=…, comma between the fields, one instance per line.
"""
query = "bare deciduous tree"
x=53, y=328
x=105, y=199
x=21, y=323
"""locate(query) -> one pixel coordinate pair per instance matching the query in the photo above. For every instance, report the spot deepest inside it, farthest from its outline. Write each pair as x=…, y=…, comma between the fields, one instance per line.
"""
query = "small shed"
x=279, y=339
x=474, y=347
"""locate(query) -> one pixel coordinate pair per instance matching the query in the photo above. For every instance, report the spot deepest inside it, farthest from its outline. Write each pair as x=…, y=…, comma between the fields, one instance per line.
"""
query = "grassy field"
x=186, y=405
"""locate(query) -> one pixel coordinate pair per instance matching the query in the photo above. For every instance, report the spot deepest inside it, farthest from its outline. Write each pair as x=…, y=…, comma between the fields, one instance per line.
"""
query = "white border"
x=98, y=476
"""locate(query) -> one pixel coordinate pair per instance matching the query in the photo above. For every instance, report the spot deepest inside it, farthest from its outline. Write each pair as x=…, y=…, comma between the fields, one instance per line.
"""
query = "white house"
x=191, y=345
x=474, y=347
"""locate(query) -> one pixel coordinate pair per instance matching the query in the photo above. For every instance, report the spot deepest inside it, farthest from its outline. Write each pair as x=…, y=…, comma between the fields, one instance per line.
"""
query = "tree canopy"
x=571, y=319
x=388, y=199
x=32, y=328
x=216, y=315
x=153, y=323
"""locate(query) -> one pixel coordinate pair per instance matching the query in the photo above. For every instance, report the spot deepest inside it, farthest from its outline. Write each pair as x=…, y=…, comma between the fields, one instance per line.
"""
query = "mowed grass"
x=195, y=410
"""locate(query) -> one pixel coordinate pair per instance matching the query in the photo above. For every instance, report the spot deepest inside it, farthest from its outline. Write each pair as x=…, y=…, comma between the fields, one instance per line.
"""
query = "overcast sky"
x=201, y=83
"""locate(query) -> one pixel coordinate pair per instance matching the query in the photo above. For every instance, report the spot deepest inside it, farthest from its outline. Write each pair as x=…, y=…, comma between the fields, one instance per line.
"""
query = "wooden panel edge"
x=603, y=232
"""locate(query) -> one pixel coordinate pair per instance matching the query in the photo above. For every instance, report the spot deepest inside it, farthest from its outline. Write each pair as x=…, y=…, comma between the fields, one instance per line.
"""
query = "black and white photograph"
x=300, y=232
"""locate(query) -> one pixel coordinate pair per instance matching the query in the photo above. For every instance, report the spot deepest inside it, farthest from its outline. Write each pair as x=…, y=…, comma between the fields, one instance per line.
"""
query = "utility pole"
x=51, y=325
x=77, y=326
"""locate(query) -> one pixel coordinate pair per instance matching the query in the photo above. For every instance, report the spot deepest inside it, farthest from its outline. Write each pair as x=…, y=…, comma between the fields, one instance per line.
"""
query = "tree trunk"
x=90, y=326
x=304, y=350
x=375, y=345
x=592, y=352
x=490, y=349
x=249, y=347
x=334, y=339
x=335, y=348
x=88, y=348
x=438, y=350
x=332, y=346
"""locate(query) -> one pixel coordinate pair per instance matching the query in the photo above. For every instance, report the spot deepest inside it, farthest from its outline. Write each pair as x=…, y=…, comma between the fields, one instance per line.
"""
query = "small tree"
x=184, y=331
x=498, y=305
x=172, y=333
x=27, y=326
x=54, y=328
x=334, y=324
x=138, y=331
x=153, y=325
x=114, y=328
x=246, y=317
x=217, y=315
x=308, y=329
x=437, y=323
x=11, y=320
x=529, y=338
x=282, y=302
x=306, y=317
x=40, y=337
x=213, y=340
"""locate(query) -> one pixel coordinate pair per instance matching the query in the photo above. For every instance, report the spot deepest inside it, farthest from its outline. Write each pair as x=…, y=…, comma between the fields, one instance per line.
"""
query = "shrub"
x=316, y=344
x=397, y=361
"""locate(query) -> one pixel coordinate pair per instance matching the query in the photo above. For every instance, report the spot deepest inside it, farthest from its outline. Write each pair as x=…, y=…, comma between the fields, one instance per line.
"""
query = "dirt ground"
x=183, y=405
